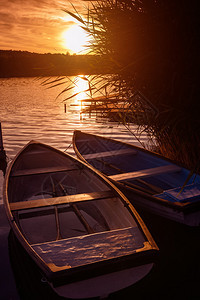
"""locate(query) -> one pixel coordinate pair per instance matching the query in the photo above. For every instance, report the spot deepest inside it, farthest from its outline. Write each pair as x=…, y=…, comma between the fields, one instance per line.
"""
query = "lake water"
x=30, y=111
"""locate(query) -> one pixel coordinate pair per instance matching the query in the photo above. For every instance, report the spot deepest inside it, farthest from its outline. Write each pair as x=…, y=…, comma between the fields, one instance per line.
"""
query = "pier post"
x=3, y=160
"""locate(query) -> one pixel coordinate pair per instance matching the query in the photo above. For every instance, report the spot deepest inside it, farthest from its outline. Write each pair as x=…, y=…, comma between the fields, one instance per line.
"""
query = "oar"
x=153, y=188
x=82, y=219
x=137, y=187
x=59, y=237
x=78, y=213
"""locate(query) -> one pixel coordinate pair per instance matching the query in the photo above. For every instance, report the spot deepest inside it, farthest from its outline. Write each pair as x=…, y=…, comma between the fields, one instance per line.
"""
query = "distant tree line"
x=28, y=64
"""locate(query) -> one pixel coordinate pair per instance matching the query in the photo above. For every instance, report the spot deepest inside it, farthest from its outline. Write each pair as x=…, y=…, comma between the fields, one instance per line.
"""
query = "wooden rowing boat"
x=80, y=230
x=150, y=181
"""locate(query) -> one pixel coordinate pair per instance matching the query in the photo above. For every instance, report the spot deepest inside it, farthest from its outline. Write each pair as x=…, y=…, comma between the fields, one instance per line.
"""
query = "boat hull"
x=102, y=286
x=189, y=217
x=149, y=180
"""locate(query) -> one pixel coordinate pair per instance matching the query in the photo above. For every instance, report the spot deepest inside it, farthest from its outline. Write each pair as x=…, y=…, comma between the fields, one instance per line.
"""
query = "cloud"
x=34, y=25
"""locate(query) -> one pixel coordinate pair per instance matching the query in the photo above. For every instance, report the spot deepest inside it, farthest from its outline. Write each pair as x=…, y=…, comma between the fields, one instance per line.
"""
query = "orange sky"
x=35, y=25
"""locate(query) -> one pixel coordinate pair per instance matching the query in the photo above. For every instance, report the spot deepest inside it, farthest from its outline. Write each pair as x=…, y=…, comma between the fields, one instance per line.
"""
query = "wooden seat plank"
x=60, y=200
x=146, y=173
x=109, y=153
x=42, y=171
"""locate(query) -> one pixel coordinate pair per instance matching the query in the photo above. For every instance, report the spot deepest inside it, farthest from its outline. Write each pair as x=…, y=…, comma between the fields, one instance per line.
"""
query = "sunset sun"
x=75, y=39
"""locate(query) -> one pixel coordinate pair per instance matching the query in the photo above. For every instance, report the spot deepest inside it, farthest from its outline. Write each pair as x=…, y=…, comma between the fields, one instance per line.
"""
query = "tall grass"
x=151, y=48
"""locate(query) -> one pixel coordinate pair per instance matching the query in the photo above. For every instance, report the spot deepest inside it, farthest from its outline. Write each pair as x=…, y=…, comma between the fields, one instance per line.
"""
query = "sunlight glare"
x=80, y=88
x=75, y=39
x=81, y=92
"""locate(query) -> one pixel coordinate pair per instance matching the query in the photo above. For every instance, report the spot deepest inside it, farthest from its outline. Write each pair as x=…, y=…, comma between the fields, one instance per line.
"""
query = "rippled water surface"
x=29, y=111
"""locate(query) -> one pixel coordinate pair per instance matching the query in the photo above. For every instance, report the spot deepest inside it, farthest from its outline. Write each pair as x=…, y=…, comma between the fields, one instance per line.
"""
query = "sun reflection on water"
x=81, y=91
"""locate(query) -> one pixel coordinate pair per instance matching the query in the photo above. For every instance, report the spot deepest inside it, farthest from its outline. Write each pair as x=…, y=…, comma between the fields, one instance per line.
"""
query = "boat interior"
x=134, y=168
x=58, y=203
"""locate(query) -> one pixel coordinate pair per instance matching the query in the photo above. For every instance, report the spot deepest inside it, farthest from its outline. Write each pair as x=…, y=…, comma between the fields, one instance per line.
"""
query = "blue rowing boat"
x=151, y=181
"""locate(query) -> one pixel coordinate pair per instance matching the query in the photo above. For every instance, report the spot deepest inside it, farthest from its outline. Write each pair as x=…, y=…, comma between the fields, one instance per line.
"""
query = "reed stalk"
x=151, y=51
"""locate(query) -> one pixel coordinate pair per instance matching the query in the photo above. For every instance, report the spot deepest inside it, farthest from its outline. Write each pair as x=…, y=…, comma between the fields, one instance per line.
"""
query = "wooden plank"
x=146, y=173
x=36, y=171
x=91, y=248
x=61, y=200
x=35, y=152
x=100, y=98
x=109, y=153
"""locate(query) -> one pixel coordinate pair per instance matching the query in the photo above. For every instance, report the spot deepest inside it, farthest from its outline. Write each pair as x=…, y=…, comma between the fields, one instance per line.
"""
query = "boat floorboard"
x=39, y=171
x=90, y=248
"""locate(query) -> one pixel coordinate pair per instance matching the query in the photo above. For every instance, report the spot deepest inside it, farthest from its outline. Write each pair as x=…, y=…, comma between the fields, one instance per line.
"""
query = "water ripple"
x=28, y=111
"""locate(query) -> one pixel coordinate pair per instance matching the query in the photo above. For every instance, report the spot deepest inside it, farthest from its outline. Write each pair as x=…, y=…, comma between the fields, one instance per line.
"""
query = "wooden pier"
x=114, y=108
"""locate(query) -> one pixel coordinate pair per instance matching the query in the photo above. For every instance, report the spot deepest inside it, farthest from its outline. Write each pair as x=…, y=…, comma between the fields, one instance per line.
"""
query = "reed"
x=151, y=51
